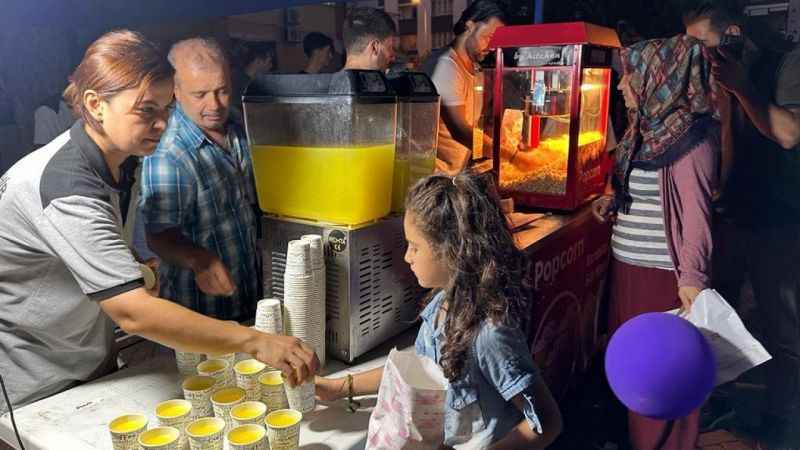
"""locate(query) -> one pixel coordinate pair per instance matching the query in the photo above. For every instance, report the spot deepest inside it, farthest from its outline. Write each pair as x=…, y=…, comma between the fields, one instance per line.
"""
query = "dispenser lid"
x=414, y=87
x=362, y=86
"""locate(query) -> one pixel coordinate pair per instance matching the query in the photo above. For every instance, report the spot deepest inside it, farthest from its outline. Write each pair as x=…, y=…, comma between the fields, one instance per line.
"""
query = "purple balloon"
x=660, y=366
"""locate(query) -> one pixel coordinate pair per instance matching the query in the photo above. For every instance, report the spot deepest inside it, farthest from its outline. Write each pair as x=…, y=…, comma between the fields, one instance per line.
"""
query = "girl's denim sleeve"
x=506, y=362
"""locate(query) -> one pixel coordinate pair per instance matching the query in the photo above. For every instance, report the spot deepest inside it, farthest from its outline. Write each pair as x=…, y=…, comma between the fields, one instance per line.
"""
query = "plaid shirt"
x=208, y=193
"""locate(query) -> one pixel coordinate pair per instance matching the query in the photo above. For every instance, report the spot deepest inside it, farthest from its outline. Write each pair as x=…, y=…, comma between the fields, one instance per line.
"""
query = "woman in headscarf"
x=664, y=176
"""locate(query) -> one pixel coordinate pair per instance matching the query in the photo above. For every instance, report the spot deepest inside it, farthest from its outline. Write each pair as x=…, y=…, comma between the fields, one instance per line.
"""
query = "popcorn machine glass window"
x=545, y=114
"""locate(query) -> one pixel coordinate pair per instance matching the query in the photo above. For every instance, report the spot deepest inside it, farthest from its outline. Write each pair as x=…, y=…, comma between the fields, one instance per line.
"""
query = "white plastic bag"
x=736, y=350
x=409, y=413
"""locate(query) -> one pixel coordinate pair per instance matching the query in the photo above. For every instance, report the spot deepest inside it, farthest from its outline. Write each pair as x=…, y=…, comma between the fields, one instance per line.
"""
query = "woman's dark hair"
x=115, y=62
x=462, y=219
x=479, y=11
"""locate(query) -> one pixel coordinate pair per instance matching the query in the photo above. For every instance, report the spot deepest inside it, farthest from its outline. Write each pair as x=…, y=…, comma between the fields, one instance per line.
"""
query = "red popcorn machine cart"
x=545, y=112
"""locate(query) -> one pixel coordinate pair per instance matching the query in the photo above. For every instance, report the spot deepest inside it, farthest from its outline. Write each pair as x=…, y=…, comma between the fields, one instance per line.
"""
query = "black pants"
x=770, y=258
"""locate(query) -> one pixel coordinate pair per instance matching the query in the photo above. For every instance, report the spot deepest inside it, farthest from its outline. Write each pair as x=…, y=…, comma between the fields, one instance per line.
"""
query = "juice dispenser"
x=546, y=112
x=417, y=132
x=323, y=145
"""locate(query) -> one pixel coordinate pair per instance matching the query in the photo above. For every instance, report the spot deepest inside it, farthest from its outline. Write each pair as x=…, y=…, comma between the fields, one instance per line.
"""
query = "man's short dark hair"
x=245, y=52
x=720, y=13
x=479, y=11
x=364, y=25
x=315, y=41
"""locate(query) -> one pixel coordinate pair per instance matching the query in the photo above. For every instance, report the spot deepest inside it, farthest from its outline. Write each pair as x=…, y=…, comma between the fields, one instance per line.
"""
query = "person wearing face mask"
x=66, y=273
x=453, y=71
x=370, y=38
x=757, y=223
x=198, y=194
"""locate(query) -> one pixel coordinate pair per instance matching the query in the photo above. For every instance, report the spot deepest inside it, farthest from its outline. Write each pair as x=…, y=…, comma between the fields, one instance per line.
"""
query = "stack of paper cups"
x=187, y=362
x=304, y=319
x=318, y=274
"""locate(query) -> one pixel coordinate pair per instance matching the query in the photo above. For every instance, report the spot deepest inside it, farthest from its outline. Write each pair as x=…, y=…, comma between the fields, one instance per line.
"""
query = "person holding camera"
x=757, y=228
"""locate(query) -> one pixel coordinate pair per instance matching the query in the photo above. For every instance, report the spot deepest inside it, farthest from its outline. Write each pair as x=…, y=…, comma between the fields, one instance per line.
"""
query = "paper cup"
x=316, y=249
x=125, y=431
x=160, y=438
x=224, y=400
x=219, y=369
x=230, y=358
x=187, y=362
x=273, y=394
x=198, y=389
x=248, y=437
x=249, y=412
x=247, y=373
x=206, y=434
x=301, y=398
x=283, y=429
x=176, y=414
x=269, y=316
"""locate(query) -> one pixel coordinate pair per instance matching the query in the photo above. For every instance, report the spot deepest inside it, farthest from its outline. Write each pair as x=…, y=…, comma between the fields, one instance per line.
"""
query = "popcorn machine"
x=545, y=112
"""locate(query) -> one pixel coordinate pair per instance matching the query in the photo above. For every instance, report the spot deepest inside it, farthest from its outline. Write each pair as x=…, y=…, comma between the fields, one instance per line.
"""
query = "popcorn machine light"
x=545, y=112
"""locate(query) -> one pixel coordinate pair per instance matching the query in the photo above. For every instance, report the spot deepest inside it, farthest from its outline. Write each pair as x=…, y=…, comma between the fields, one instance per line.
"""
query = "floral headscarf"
x=671, y=79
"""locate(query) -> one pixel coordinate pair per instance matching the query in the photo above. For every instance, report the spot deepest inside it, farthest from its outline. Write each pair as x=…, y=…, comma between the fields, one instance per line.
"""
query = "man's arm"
x=212, y=276
x=170, y=324
x=169, y=192
x=780, y=124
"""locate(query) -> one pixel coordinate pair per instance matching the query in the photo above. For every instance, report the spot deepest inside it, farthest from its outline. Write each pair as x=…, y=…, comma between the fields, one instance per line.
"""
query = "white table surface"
x=77, y=419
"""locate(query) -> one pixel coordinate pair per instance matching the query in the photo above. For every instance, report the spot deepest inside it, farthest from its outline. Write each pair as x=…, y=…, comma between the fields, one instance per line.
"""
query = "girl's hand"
x=602, y=208
x=330, y=389
x=687, y=295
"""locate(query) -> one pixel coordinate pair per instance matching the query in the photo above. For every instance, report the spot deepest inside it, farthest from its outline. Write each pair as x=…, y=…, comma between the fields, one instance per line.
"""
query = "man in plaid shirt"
x=198, y=194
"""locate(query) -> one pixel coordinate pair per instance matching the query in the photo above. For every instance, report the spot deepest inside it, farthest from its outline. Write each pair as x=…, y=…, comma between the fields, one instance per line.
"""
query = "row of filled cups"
x=259, y=381
x=245, y=398
x=253, y=429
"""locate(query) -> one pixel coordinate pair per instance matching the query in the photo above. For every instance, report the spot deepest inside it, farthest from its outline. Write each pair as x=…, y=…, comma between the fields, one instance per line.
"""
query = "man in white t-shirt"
x=453, y=71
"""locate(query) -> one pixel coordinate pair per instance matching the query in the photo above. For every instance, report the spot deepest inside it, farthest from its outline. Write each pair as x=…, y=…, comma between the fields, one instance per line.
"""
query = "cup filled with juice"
x=160, y=438
x=176, y=414
x=224, y=400
x=219, y=369
x=301, y=397
x=273, y=394
x=283, y=429
x=197, y=389
x=207, y=433
x=248, y=437
x=249, y=412
x=247, y=373
x=125, y=431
